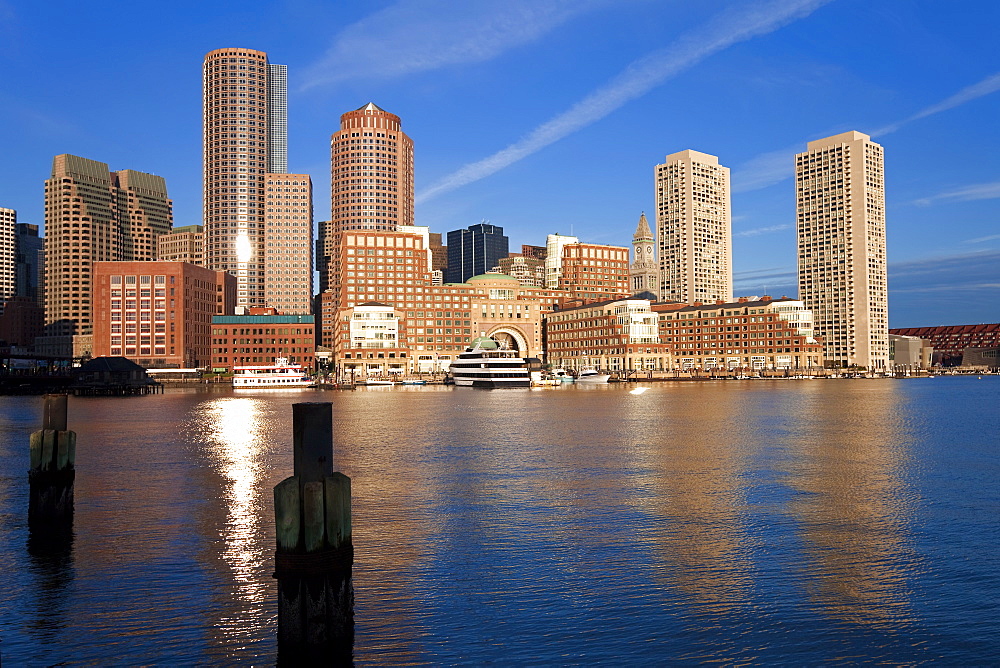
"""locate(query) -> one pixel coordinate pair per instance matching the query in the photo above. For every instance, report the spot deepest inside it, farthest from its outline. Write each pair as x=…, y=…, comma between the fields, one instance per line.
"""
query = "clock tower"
x=644, y=274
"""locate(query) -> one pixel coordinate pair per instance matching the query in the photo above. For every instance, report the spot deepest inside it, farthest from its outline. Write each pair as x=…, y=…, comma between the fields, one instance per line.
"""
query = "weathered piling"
x=52, y=472
x=315, y=553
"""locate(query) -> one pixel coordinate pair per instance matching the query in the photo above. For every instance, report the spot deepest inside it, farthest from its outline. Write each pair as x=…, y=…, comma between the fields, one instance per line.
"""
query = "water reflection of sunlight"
x=234, y=427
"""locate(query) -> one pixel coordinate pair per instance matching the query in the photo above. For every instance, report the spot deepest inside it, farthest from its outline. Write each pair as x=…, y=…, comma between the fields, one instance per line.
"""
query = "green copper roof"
x=484, y=342
x=490, y=277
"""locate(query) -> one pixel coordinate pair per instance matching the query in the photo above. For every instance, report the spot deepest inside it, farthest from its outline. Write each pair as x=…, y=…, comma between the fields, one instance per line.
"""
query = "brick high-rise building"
x=245, y=138
x=439, y=253
x=94, y=215
x=594, y=271
x=371, y=178
x=537, y=252
x=840, y=228
x=371, y=172
x=693, y=228
x=288, y=284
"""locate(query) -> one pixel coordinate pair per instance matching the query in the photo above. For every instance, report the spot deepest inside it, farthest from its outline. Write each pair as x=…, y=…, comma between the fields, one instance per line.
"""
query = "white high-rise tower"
x=693, y=229
x=840, y=227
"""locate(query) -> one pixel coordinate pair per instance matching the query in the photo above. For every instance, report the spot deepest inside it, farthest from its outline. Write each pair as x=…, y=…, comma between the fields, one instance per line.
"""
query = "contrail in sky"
x=990, y=84
x=738, y=24
x=774, y=167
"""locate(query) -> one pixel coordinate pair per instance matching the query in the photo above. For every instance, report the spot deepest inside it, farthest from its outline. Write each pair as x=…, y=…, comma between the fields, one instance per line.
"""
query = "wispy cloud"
x=980, y=240
x=962, y=285
x=765, y=169
x=420, y=35
x=964, y=194
x=990, y=84
x=774, y=167
x=919, y=288
x=762, y=230
x=740, y=23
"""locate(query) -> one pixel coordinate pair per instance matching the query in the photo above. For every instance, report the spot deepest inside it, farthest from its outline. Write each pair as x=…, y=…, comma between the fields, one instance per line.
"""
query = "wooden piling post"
x=52, y=472
x=315, y=552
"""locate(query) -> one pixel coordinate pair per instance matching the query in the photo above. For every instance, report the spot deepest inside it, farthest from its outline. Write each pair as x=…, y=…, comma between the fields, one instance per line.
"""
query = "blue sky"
x=550, y=116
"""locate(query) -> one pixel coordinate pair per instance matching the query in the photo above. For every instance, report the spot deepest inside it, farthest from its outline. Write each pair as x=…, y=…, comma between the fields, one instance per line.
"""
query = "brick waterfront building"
x=436, y=321
x=761, y=334
x=260, y=337
x=616, y=335
x=158, y=314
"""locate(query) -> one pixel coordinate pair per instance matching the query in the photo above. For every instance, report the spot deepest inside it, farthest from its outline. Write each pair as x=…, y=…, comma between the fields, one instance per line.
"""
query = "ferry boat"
x=280, y=375
x=485, y=364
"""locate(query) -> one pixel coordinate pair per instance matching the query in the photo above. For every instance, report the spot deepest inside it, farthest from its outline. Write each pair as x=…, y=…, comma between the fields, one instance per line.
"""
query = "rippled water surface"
x=802, y=522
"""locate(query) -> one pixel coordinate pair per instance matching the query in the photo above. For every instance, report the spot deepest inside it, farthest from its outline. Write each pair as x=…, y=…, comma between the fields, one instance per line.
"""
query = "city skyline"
x=520, y=117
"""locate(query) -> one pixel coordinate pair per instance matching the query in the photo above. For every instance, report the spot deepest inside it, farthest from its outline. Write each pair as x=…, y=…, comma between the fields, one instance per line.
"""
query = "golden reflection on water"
x=235, y=430
x=695, y=466
x=853, y=506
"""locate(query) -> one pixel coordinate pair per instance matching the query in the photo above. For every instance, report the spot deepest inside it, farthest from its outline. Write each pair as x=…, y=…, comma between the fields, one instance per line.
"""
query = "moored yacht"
x=592, y=375
x=486, y=364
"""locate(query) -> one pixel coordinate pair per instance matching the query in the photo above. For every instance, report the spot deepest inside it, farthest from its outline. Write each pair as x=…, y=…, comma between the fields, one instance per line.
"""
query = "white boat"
x=486, y=364
x=280, y=375
x=376, y=382
x=562, y=376
x=591, y=375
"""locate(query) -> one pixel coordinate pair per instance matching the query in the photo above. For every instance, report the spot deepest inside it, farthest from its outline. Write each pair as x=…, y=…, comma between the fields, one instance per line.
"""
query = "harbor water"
x=786, y=521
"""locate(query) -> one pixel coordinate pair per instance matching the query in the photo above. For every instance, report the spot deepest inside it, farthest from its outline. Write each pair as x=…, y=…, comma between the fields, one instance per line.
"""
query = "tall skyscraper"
x=326, y=251
x=371, y=178
x=8, y=255
x=693, y=229
x=474, y=251
x=288, y=284
x=29, y=262
x=645, y=270
x=371, y=172
x=840, y=228
x=245, y=138
x=94, y=215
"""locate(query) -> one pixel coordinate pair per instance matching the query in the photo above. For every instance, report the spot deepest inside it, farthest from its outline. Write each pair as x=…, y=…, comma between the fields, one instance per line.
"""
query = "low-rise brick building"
x=617, y=335
x=761, y=334
x=260, y=338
